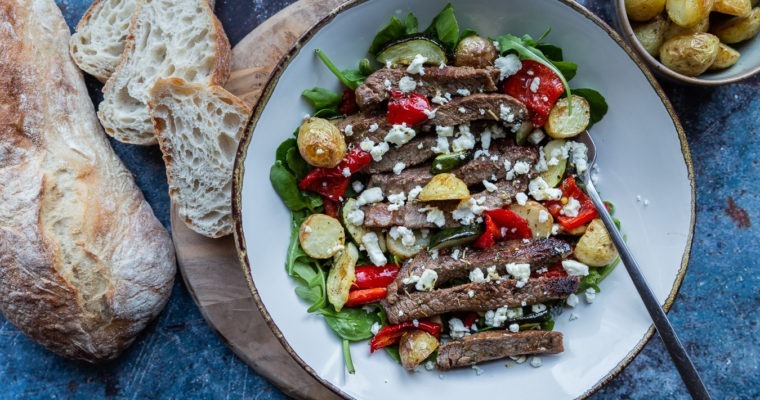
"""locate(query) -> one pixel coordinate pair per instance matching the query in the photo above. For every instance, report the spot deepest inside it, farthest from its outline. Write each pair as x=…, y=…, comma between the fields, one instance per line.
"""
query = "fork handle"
x=677, y=352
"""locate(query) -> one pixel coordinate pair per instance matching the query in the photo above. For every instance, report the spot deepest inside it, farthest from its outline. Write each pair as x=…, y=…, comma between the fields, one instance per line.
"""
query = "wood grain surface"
x=210, y=267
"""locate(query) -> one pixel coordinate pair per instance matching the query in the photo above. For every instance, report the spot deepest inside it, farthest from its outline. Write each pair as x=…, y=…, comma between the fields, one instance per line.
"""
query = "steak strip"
x=416, y=152
x=493, y=345
x=538, y=253
x=402, y=307
x=436, y=81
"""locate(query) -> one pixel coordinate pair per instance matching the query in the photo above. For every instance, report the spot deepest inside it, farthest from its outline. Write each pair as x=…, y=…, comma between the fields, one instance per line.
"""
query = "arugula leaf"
x=595, y=276
x=445, y=27
x=352, y=324
x=352, y=78
x=410, y=24
x=322, y=99
x=596, y=101
x=391, y=32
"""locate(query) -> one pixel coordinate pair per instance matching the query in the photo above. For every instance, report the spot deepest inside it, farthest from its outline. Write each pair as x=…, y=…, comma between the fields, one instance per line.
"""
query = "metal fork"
x=677, y=352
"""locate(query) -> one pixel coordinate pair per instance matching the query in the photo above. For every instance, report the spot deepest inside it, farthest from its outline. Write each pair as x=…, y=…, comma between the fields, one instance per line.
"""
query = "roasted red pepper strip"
x=390, y=334
x=365, y=296
x=540, y=101
x=502, y=224
x=586, y=212
x=468, y=318
x=409, y=109
x=333, y=182
x=552, y=271
x=370, y=276
x=331, y=207
x=348, y=104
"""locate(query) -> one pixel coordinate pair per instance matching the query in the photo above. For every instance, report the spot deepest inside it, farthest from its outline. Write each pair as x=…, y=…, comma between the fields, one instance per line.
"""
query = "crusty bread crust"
x=127, y=93
x=84, y=262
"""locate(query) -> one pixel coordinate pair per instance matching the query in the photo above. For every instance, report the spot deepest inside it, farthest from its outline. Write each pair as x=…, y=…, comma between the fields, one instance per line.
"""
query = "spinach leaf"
x=347, y=357
x=393, y=352
x=410, y=24
x=391, y=32
x=352, y=324
x=596, y=101
x=285, y=184
x=567, y=68
x=467, y=32
x=322, y=99
x=595, y=276
x=282, y=149
x=352, y=78
x=445, y=27
x=365, y=67
x=552, y=52
x=296, y=163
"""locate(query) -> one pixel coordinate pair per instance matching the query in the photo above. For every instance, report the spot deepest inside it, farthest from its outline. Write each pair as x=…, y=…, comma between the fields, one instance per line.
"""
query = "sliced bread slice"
x=198, y=128
x=181, y=38
x=101, y=36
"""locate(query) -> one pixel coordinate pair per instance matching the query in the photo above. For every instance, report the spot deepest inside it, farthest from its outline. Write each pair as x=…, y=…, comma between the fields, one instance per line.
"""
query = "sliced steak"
x=538, y=253
x=375, y=88
x=416, y=152
x=493, y=345
x=403, y=182
x=361, y=124
x=478, y=107
x=402, y=307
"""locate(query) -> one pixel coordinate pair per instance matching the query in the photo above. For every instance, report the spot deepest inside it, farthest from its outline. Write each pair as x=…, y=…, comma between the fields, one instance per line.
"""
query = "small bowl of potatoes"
x=700, y=42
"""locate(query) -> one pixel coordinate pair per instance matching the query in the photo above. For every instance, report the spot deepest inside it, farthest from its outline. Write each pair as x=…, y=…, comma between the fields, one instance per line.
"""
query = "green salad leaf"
x=322, y=99
x=391, y=32
x=445, y=27
x=284, y=175
x=596, y=101
x=352, y=324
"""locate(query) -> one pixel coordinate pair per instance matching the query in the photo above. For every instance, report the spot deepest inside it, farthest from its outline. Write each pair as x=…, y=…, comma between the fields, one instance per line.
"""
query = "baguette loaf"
x=84, y=263
x=167, y=38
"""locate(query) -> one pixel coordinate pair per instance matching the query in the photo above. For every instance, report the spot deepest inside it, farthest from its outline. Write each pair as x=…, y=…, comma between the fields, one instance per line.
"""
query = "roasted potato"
x=538, y=218
x=555, y=169
x=643, y=10
x=357, y=231
x=564, y=123
x=737, y=8
x=726, y=57
x=651, y=34
x=675, y=29
x=595, y=247
x=321, y=236
x=342, y=276
x=738, y=29
x=444, y=187
x=690, y=54
x=402, y=250
x=688, y=13
x=475, y=51
x=415, y=346
x=320, y=143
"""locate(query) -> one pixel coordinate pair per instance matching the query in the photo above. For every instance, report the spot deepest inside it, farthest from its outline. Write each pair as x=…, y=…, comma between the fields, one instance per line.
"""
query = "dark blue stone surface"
x=715, y=313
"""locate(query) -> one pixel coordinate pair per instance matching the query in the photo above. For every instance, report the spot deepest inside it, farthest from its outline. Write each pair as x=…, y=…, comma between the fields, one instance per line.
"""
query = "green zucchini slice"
x=403, y=51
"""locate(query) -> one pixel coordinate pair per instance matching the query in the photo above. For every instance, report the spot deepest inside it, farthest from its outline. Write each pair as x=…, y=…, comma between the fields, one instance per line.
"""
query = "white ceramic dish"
x=642, y=152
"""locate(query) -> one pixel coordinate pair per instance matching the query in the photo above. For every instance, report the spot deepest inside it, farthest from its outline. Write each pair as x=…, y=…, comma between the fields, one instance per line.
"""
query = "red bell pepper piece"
x=331, y=206
x=586, y=213
x=407, y=108
x=468, y=318
x=348, y=104
x=370, y=276
x=552, y=271
x=390, y=334
x=502, y=224
x=540, y=101
x=332, y=182
x=365, y=296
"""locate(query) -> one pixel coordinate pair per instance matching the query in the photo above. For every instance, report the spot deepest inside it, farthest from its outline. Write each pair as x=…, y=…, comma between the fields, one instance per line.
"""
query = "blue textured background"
x=715, y=313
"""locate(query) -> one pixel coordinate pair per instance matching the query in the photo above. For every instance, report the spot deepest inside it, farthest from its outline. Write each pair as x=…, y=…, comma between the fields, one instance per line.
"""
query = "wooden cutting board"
x=210, y=267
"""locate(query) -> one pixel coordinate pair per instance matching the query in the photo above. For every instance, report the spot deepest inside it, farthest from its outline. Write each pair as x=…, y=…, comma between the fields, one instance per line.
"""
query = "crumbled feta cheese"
x=348, y=130
x=430, y=113
x=398, y=167
x=540, y=190
x=400, y=313
x=590, y=295
x=520, y=271
x=397, y=200
x=466, y=212
x=476, y=275
x=506, y=114
x=520, y=168
x=438, y=99
x=485, y=139
x=463, y=92
x=410, y=279
x=543, y=216
x=387, y=82
x=571, y=209
x=355, y=217
x=369, y=196
x=491, y=274
x=319, y=151
x=407, y=84
x=366, y=144
x=416, y=65
x=535, y=362
x=307, y=229
x=346, y=172
x=457, y=330
x=462, y=110
x=427, y=280
x=535, y=84
x=575, y=268
x=538, y=307
x=375, y=328
x=420, y=145
x=508, y=65
x=514, y=328
x=444, y=131
x=465, y=140
x=434, y=216
x=373, y=127
x=455, y=254
x=518, y=359
x=414, y=193
x=496, y=318
x=429, y=365
x=521, y=198
x=471, y=293
x=572, y=300
x=406, y=235
x=536, y=136
x=379, y=150
x=358, y=186
x=489, y=186
x=400, y=135
x=371, y=244
x=434, y=254
x=441, y=146
x=578, y=155
x=555, y=229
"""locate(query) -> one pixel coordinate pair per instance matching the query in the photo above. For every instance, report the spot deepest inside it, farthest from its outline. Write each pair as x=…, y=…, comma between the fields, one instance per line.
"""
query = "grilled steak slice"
x=416, y=152
x=374, y=90
x=538, y=253
x=403, y=182
x=480, y=107
x=402, y=307
x=361, y=124
x=493, y=345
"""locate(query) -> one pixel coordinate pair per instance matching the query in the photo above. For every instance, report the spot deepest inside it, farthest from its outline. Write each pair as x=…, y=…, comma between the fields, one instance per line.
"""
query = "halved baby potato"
x=688, y=13
x=690, y=54
x=320, y=143
x=444, y=186
x=651, y=34
x=726, y=57
x=341, y=276
x=538, y=217
x=738, y=29
x=564, y=122
x=737, y=8
x=595, y=247
x=643, y=10
x=415, y=346
x=321, y=236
